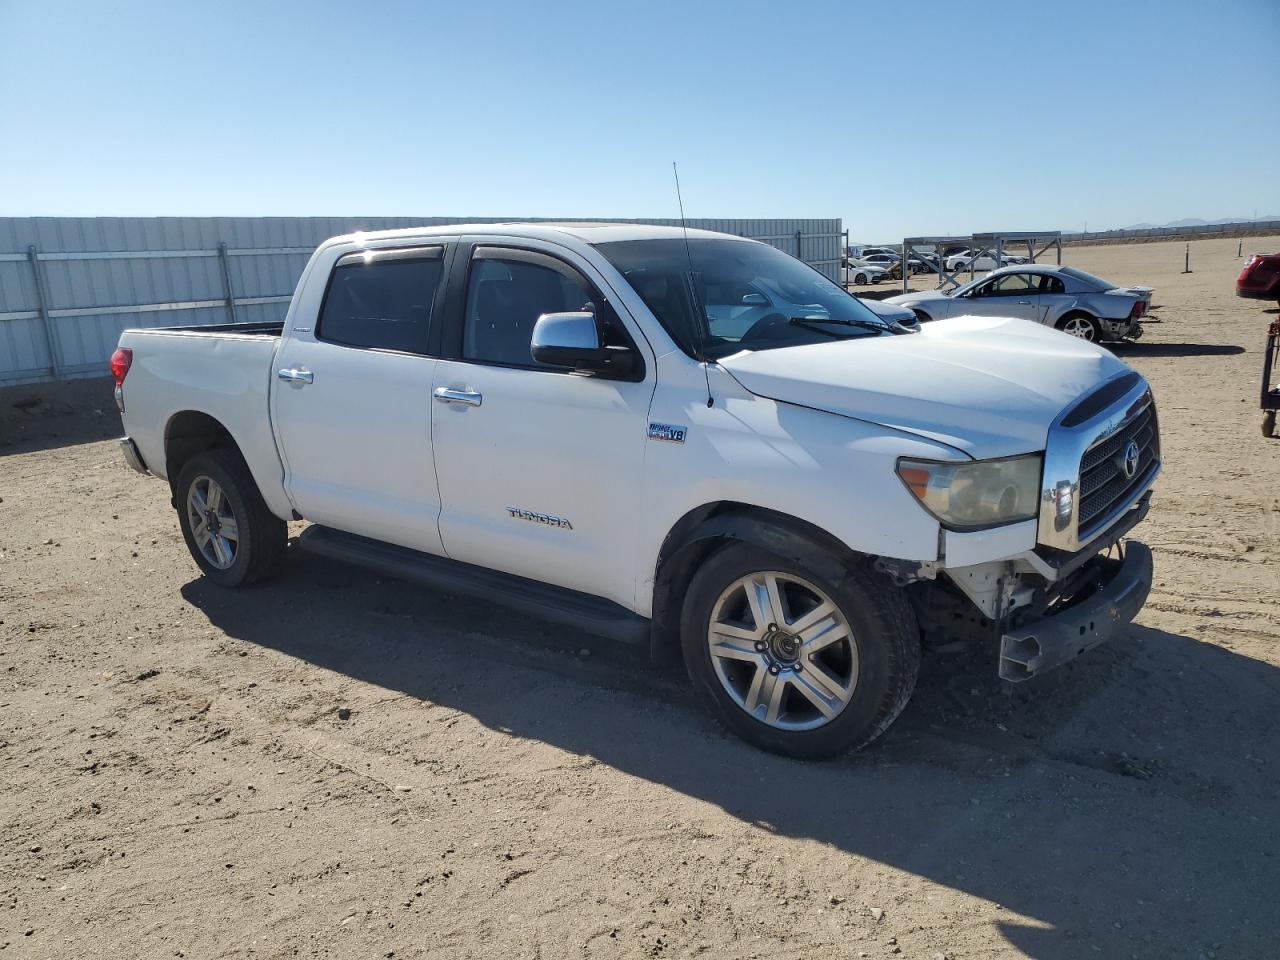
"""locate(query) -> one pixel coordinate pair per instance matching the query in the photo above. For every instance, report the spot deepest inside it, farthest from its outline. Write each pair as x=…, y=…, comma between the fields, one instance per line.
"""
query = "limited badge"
x=669, y=432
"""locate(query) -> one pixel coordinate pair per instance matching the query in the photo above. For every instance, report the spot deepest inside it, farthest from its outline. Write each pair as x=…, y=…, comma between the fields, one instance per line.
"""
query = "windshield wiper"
x=811, y=323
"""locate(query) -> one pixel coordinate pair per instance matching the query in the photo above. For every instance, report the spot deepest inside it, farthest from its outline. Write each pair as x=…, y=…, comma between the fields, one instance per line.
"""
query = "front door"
x=351, y=400
x=539, y=467
x=1007, y=295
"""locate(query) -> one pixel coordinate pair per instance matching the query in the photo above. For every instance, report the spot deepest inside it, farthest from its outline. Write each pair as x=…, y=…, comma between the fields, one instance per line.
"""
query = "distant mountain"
x=1197, y=222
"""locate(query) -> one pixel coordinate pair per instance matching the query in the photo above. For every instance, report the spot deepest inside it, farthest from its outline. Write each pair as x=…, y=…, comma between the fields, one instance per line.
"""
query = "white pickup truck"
x=689, y=440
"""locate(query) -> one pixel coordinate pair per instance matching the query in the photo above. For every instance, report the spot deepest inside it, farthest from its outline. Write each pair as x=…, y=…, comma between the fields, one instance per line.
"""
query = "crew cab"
x=574, y=421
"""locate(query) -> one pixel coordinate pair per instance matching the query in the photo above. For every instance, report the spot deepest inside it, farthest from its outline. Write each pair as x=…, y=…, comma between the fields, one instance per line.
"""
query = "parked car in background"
x=871, y=251
x=1068, y=299
x=898, y=317
x=860, y=272
x=886, y=261
x=1260, y=278
x=981, y=260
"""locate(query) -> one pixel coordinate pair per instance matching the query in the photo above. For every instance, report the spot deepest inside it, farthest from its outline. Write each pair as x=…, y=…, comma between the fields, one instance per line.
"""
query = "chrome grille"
x=1102, y=479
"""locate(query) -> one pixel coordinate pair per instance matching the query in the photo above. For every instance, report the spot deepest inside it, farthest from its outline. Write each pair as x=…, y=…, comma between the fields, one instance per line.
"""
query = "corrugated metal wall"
x=69, y=285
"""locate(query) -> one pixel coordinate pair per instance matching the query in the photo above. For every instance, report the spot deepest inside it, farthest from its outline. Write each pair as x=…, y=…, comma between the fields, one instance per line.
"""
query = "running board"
x=542, y=600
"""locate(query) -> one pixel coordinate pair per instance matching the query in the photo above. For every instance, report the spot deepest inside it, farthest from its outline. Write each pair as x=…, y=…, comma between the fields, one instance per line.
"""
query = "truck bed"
x=223, y=371
x=273, y=329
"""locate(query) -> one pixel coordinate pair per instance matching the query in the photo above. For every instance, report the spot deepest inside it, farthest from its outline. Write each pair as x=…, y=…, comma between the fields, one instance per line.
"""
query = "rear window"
x=1088, y=278
x=382, y=300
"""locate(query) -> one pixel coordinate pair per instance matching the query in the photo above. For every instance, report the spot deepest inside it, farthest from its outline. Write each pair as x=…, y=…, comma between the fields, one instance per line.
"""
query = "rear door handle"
x=294, y=375
x=449, y=395
x=1025, y=303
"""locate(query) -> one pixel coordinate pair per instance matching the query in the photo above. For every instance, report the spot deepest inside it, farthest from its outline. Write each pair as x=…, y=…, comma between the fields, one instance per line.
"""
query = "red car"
x=1260, y=278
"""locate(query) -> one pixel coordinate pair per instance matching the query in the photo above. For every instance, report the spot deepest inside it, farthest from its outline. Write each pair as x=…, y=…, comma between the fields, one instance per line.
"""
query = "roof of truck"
x=585, y=231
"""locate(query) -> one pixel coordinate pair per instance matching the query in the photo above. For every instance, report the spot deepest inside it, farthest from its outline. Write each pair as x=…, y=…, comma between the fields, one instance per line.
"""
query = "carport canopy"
x=929, y=250
x=1037, y=243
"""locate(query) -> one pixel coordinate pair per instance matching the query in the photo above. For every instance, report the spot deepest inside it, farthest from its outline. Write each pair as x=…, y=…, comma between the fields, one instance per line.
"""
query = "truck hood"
x=989, y=386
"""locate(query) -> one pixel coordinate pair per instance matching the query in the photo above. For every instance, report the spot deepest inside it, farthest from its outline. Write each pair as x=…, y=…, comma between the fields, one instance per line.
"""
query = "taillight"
x=1138, y=310
x=121, y=360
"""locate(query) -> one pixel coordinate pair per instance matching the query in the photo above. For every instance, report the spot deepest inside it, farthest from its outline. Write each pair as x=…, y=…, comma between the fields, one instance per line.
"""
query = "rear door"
x=540, y=468
x=351, y=399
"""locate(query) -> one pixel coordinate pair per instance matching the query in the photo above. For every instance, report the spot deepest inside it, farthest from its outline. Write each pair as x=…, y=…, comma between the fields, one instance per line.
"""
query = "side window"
x=1049, y=284
x=1013, y=284
x=506, y=293
x=382, y=300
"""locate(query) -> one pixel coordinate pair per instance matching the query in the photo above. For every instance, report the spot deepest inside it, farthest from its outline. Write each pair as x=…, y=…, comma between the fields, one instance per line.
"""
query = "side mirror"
x=755, y=300
x=573, y=340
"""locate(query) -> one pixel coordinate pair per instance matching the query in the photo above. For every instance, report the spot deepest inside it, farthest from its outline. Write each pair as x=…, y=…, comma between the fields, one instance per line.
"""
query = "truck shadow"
x=1126, y=806
x=1148, y=349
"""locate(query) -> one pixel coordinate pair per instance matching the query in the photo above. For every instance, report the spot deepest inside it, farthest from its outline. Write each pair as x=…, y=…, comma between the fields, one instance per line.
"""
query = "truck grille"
x=1103, y=482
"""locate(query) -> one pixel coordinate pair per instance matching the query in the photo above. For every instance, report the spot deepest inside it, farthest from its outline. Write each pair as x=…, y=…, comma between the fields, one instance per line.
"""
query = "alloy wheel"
x=783, y=651
x=213, y=522
x=1080, y=327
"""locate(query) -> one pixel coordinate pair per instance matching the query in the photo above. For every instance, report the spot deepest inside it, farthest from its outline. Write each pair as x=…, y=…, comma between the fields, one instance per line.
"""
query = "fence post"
x=1187, y=267
x=42, y=305
x=1240, y=250
x=799, y=255
x=227, y=290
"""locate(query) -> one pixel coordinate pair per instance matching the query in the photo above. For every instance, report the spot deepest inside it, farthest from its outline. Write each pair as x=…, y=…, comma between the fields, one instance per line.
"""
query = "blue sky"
x=902, y=118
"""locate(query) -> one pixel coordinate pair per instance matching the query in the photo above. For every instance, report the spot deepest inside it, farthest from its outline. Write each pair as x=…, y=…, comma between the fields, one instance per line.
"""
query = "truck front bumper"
x=1056, y=637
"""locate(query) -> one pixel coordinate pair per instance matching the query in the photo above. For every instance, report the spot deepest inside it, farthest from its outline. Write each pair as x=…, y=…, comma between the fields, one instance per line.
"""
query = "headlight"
x=985, y=493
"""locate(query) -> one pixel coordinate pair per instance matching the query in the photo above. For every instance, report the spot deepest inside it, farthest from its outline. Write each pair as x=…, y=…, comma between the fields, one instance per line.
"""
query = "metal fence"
x=1254, y=226
x=69, y=285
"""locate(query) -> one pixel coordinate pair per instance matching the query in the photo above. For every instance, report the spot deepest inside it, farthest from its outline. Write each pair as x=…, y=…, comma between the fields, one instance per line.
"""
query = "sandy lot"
x=333, y=765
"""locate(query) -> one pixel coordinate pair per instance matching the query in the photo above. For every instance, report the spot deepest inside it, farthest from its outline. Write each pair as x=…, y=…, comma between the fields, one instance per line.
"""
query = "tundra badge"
x=534, y=517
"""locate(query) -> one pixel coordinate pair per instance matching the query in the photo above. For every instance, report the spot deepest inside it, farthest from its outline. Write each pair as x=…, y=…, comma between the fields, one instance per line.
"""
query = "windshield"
x=1088, y=278
x=752, y=296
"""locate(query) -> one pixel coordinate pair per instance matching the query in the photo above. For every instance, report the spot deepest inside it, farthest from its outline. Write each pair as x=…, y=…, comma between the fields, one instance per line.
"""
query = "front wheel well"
x=189, y=433
x=713, y=526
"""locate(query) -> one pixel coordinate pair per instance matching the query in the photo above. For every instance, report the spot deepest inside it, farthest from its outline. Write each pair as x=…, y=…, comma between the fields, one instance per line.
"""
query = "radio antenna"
x=683, y=226
x=693, y=286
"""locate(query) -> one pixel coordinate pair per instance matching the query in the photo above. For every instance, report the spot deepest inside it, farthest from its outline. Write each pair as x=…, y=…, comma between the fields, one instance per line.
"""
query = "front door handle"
x=295, y=375
x=1025, y=303
x=449, y=395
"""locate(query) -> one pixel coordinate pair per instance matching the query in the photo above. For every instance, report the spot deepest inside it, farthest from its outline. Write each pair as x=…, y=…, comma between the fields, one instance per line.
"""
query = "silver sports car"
x=1075, y=302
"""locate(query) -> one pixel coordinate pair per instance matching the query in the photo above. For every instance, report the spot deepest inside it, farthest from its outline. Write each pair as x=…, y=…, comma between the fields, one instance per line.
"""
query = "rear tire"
x=1081, y=325
x=844, y=678
x=233, y=536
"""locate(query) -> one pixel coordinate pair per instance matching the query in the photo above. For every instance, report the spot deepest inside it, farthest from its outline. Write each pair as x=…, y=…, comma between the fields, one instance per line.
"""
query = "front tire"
x=860, y=279
x=233, y=536
x=792, y=661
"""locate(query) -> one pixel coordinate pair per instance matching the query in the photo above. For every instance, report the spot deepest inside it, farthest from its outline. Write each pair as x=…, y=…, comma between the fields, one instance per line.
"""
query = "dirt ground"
x=334, y=765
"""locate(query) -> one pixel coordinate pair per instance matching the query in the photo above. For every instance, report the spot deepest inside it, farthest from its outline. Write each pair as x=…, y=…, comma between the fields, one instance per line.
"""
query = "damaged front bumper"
x=1062, y=634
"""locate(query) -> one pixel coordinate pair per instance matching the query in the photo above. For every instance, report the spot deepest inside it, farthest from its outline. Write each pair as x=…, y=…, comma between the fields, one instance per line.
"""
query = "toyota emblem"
x=1130, y=463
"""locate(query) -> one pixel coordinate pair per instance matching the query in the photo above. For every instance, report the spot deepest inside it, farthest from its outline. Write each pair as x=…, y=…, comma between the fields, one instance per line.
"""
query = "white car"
x=983, y=260
x=560, y=418
x=859, y=272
